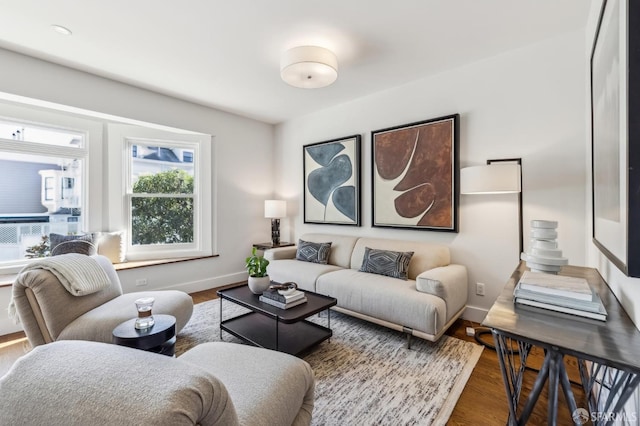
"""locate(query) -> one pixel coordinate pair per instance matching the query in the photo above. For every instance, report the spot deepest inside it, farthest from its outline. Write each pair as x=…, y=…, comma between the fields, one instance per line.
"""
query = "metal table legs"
x=607, y=388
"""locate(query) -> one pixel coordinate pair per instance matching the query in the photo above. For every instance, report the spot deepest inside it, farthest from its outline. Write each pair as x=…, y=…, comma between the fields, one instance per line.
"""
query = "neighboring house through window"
x=41, y=170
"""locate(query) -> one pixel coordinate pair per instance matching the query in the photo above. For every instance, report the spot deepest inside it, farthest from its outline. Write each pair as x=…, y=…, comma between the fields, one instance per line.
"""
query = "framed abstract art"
x=615, y=133
x=415, y=175
x=331, y=172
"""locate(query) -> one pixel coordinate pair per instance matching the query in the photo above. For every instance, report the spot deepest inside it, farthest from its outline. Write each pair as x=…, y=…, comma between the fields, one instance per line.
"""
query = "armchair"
x=48, y=312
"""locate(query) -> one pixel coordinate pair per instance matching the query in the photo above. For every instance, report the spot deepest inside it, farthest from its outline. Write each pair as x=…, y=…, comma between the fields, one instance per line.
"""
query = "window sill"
x=144, y=263
x=6, y=280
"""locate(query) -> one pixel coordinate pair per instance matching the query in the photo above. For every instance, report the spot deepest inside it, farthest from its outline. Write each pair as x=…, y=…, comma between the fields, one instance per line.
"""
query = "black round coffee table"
x=160, y=338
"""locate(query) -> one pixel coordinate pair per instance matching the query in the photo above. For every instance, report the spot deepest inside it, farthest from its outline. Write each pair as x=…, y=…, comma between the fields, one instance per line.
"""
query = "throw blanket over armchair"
x=49, y=312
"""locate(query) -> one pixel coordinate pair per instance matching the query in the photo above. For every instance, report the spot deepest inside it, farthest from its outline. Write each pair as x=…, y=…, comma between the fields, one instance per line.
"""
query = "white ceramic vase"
x=258, y=285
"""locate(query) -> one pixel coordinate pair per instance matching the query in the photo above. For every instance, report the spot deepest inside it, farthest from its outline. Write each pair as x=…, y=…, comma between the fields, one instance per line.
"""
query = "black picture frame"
x=415, y=175
x=615, y=135
x=331, y=171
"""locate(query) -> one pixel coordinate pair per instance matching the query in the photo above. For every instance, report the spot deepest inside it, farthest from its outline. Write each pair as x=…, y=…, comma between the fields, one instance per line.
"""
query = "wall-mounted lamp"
x=502, y=176
x=274, y=210
x=309, y=67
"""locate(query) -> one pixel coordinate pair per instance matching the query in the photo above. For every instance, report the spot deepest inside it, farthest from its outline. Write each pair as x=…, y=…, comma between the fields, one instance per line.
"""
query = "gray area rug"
x=365, y=375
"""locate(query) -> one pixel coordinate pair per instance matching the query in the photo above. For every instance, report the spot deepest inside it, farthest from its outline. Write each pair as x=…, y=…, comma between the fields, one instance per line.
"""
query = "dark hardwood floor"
x=483, y=401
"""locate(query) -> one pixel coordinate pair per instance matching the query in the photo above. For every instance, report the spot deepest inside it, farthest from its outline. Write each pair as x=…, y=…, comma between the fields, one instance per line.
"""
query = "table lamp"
x=274, y=210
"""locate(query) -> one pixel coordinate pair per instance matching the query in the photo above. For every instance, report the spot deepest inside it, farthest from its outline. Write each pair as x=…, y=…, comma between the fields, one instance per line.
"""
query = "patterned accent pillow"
x=313, y=252
x=386, y=262
x=57, y=239
x=74, y=246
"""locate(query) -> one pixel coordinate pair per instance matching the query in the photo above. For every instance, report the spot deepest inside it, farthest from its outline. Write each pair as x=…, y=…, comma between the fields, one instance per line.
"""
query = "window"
x=165, y=200
x=161, y=198
x=70, y=190
x=48, y=188
x=40, y=164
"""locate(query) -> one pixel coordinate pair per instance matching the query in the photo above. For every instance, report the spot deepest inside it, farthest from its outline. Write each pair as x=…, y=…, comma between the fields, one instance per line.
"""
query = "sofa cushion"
x=313, y=252
x=393, y=264
x=92, y=325
x=388, y=299
x=426, y=256
x=267, y=387
x=304, y=274
x=341, y=247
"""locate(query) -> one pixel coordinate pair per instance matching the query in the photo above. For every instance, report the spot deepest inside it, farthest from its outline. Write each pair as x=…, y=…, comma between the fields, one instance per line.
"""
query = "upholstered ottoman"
x=82, y=383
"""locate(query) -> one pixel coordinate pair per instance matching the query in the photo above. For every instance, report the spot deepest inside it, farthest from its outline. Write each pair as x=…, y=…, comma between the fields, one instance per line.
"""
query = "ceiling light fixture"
x=61, y=30
x=309, y=67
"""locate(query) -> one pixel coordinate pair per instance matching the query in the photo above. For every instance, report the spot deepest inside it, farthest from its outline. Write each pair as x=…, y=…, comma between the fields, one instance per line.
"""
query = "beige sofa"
x=90, y=383
x=425, y=305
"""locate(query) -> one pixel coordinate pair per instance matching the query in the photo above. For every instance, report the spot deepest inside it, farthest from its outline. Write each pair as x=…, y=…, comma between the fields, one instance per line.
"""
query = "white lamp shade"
x=275, y=209
x=309, y=67
x=490, y=179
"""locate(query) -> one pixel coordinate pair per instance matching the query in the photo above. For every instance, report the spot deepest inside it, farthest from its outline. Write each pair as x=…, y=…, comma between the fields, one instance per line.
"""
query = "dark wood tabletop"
x=164, y=329
x=241, y=295
x=614, y=342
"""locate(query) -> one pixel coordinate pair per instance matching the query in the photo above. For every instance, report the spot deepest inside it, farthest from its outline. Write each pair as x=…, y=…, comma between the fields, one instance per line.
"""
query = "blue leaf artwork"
x=325, y=183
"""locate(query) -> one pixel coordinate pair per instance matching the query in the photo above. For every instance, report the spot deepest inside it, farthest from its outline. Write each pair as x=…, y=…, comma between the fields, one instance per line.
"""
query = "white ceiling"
x=226, y=53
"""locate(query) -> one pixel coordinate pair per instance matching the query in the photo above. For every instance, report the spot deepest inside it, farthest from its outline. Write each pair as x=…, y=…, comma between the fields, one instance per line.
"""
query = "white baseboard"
x=475, y=314
x=207, y=284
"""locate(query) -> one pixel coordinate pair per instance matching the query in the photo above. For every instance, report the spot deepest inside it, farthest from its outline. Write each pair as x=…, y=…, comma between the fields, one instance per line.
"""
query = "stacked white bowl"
x=543, y=254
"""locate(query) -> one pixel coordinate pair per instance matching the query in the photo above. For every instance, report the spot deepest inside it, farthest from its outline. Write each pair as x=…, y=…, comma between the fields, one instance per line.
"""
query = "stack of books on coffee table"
x=283, y=299
x=569, y=295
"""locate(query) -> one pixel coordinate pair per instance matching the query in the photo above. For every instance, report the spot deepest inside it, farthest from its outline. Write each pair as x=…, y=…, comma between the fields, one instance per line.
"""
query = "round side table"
x=159, y=338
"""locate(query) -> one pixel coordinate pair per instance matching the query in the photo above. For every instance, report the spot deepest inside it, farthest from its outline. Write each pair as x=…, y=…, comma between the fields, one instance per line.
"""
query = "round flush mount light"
x=61, y=30
x=309, y=67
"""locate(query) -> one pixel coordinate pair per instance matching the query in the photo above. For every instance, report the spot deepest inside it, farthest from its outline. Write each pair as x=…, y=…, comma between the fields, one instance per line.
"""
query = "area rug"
x=365, y=375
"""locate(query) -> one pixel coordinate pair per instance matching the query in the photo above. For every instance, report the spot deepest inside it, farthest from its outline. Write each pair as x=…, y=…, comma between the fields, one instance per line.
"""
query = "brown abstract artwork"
x=415, y=174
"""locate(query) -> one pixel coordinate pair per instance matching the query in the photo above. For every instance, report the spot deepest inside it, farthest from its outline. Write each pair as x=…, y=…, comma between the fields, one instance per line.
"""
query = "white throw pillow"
x=112, y=245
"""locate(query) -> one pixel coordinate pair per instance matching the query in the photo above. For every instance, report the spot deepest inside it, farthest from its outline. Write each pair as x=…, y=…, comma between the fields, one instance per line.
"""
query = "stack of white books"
x=570, y=295
x=283, y=299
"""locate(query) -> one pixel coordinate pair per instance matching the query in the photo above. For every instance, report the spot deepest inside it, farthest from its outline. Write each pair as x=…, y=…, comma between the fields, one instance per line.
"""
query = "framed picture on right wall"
x=615, y=133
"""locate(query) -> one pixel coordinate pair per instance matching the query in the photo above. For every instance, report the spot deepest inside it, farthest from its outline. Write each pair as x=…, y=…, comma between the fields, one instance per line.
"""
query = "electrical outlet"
x=141, y=281
x=480, y=289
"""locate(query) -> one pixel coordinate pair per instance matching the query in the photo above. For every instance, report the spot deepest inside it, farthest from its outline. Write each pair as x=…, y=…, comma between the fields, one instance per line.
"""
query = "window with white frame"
x=70, y=189
x=42, y=173
x=164, y=191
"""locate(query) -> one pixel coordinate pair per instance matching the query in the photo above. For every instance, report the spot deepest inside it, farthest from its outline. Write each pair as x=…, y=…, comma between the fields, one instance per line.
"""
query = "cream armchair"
x=48, y=312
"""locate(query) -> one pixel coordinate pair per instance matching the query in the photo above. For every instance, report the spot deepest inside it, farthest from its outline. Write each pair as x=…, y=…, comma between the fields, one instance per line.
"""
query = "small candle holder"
x=145, y=316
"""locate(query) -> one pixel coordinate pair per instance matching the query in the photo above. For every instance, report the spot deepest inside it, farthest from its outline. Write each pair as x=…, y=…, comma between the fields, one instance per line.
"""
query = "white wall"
x=242, y=181
x=626, y=289
x=526, y=103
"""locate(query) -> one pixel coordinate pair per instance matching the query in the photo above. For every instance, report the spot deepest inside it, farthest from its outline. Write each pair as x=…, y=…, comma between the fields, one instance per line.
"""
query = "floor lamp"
x=503, y=176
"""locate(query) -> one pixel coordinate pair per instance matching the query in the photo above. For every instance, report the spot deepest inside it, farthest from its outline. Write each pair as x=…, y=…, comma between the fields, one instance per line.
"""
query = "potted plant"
x=257, y=268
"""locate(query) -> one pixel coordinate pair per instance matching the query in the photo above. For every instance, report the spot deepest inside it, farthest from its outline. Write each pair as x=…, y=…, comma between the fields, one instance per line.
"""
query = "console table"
x=607, y=353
